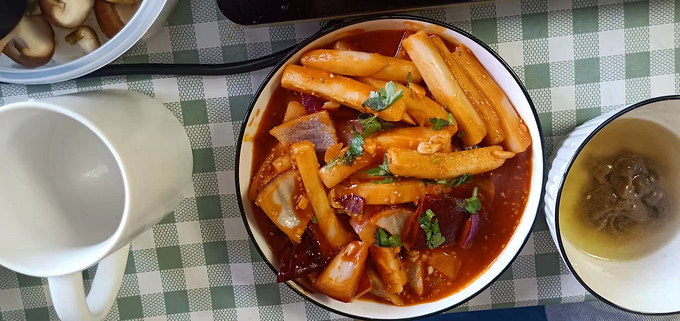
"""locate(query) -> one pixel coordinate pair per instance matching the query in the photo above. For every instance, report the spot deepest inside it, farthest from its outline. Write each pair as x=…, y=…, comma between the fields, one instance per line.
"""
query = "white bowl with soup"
x=612, y=204
x=351, y=173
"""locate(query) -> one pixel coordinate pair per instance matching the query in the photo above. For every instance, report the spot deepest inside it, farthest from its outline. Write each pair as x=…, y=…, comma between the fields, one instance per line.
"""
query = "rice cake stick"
x=343, y=90
x=398, y=192
x=308, y=167
x=406, y=162
x=419, y=107
x=517, y=137
x=333, y=175
x=444, y=87
x=358, y=63
x=495, y=133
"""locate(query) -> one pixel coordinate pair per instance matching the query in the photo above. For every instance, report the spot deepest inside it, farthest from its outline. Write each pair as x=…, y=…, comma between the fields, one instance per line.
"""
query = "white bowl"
x=149, y=17
x=650, y=284
x=507, y=80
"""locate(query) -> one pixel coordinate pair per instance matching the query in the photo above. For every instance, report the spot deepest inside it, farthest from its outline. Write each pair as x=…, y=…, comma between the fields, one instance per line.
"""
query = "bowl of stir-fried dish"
x=390, y=168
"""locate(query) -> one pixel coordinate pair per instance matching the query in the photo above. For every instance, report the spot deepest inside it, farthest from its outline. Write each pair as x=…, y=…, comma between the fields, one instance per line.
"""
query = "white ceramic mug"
x=81, y=176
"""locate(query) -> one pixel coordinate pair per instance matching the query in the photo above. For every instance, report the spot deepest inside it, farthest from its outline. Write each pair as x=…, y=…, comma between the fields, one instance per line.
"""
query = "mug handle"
x=68, y=291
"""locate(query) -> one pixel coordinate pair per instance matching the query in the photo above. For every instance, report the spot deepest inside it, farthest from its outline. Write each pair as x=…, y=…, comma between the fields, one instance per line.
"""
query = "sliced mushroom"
x=66, y=13
x=31, y=43
x=112, y=17
x=85, y=38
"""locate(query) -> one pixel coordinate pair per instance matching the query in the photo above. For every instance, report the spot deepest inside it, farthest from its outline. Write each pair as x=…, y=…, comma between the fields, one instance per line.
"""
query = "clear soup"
x=661, y=149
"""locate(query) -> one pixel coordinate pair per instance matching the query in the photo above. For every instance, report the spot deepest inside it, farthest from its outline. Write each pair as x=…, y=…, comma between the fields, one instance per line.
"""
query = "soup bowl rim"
x=560, y=188
x=353, y=21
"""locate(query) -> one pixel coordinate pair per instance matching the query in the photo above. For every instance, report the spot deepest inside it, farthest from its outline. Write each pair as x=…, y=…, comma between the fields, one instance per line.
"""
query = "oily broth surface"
x=661, y=149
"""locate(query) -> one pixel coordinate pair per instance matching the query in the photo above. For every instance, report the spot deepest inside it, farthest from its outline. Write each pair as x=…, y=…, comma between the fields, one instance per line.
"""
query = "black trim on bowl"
x=560, y=244
x=347, y=23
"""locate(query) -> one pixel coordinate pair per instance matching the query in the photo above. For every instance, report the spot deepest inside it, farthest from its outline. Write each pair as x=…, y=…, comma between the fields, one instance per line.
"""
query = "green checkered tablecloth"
x=578, y=60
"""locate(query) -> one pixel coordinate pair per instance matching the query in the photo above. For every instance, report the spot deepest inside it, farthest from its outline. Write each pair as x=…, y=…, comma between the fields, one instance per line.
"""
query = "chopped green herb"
x=333, y=162
x=355, y=148
x=372, y=124
x=387, y=180
x=445, y=196
x=472, y=204
x=462, y=179
x=381, y=170
x=314, y=220
x=461, y=134
x=439, y=123
x=409, y=80
x=384, y=97
x=382, y=240
x=431, y=227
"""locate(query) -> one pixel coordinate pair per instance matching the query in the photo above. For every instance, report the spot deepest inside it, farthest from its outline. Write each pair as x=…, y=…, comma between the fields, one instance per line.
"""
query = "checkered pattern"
x=577, y=59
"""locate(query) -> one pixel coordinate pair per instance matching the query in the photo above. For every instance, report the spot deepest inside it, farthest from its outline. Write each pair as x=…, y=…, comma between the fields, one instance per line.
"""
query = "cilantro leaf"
x=462, y=179
x=431, y=227
x=386, y=180
x=333, y=162
x=471, y=204
x=384, y=97
x=355, y=148
x=372, y=124
x=409, y=80
x=439, y=123
x=381, y=170
x=428, y=181
x=315, y=220
x=382, y=240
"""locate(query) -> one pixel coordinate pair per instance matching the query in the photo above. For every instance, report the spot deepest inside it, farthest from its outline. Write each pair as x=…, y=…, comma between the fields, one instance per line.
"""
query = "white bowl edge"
x=516, y=94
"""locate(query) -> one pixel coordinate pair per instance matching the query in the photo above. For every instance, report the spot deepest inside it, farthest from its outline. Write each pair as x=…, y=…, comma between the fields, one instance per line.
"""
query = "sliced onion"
x=353, y=204
x=475, y=224
x=311, y=103
x=357, y=126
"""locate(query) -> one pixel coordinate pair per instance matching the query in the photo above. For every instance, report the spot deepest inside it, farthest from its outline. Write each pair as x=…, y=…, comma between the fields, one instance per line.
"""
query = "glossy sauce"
x=500, y=217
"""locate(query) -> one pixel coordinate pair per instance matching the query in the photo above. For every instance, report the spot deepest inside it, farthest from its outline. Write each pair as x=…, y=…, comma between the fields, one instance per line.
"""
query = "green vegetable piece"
x=431, y=227
x=472, y=205
x=314, y=220
x=439, y=123
x=333, y=162
x=409, y=80
x=382, y=240
x=372, y=124
x=384, y=97
x=355, y=148
x=381, y=170
x=462, y=179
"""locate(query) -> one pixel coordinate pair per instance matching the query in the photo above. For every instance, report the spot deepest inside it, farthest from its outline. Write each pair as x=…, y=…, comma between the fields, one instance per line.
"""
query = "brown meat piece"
x=626, y=193
x=317, y=128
